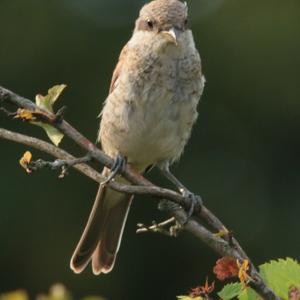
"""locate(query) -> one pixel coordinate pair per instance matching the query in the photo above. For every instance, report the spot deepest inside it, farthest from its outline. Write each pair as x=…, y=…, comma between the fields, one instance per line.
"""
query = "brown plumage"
x=147, y=118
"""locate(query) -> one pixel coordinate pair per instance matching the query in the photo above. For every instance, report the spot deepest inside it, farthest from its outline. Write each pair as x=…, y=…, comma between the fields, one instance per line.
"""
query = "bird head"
x=164, y=18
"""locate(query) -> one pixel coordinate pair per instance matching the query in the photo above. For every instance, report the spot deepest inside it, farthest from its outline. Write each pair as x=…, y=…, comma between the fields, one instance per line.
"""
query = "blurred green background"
x=243, y=157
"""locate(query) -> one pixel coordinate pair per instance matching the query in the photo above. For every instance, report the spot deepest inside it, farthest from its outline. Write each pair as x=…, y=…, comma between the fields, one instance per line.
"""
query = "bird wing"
x=118, y=69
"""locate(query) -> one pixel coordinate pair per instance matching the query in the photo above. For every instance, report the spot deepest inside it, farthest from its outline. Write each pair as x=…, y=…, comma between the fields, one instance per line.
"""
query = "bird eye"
x=149, y=23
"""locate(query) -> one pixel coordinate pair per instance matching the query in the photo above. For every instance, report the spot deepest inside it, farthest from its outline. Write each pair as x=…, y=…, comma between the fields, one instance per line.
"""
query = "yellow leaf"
x=243, y=269
x=24, y=114
x=25, y=161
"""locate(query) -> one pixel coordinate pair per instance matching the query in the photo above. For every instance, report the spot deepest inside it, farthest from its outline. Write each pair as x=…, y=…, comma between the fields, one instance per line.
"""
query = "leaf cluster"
x=281, y=275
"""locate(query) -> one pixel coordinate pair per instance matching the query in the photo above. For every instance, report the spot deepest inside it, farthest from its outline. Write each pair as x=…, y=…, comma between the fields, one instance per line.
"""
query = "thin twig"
x=168, y=227
x=58, y=164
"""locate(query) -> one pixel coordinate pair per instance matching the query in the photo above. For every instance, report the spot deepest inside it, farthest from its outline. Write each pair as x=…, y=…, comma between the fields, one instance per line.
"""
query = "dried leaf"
x=24, y=114
x=294, y=293
x=243, y=269
x=207, y=289
x=226, y=267
x=201, y=291
x=25, y=161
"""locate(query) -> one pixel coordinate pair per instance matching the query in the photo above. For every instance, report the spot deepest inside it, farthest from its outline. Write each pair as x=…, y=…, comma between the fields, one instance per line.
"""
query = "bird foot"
x=117, y=167
x=193, y=201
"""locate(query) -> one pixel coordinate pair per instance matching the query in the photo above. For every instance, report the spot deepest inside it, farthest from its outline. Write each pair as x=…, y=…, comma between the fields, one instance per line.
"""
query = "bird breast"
x=149, y=116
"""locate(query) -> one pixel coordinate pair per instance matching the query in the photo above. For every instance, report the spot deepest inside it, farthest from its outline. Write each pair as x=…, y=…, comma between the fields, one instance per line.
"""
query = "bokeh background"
x=243, y=157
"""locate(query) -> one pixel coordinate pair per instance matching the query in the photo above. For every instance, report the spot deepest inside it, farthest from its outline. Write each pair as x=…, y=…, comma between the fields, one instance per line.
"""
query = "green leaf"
x=54, y=135
x=46, y=103
x=280, y=275
x=248, y=294
x=230, y=291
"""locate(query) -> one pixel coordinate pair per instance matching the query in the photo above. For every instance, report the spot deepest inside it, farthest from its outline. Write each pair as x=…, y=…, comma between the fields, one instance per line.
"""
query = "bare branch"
x=168, y=227
x=225, y=246
x=51, y=150
x=58, y=164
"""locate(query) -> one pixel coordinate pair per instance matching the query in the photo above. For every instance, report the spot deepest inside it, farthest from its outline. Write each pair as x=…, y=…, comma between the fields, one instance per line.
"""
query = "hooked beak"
x=172, y=35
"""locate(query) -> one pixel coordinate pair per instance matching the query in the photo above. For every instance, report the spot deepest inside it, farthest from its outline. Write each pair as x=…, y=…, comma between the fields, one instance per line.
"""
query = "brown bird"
x=146, y=119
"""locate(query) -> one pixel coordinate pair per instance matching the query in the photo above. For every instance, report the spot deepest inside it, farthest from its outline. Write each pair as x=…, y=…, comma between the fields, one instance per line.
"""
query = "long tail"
x=102, y=235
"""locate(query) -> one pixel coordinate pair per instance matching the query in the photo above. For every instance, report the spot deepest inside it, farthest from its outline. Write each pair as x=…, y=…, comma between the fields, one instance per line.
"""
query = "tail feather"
x=104, y=256
x=101, y=238
x=102, y=261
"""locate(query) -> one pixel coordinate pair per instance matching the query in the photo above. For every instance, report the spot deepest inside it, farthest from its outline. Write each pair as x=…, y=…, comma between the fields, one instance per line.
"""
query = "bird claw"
x=193, y=201
x=118, y=166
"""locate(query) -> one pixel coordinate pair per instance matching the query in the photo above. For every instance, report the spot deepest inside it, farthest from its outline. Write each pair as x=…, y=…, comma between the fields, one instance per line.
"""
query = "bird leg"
x=118, y=166
x=192, y=199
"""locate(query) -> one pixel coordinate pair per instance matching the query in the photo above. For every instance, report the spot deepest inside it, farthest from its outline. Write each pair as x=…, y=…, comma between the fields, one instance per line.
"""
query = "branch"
x=85, y=169
x=225, y=246
x=173, y=230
